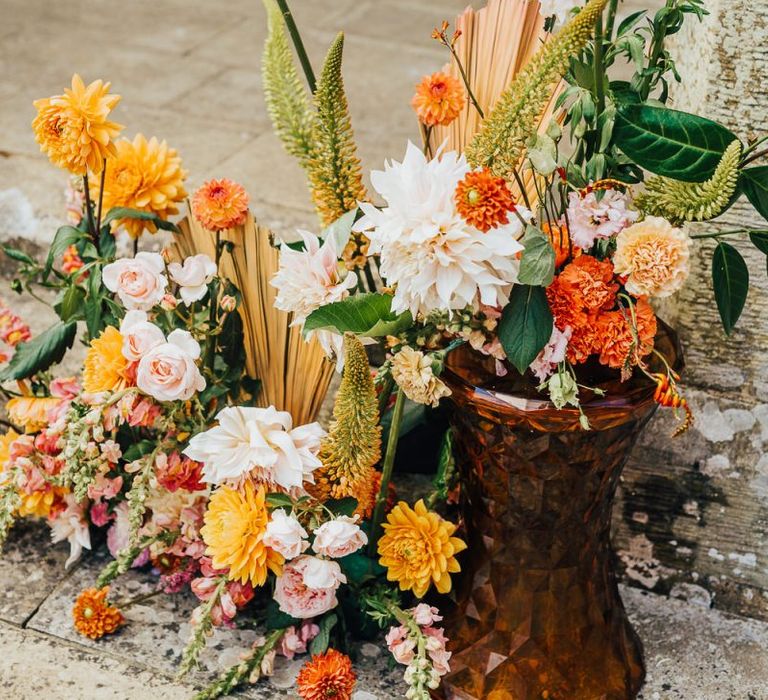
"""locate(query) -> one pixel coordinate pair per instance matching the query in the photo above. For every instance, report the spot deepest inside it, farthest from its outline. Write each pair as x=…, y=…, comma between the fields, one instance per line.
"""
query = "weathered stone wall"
x=693, y=520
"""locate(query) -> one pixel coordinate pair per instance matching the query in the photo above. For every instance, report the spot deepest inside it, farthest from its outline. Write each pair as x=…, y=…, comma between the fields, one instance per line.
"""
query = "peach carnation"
x=93, y=615
x=653, y=255
x=220, y=204
x=327, y=675
x=484, y=200
x=439, y=99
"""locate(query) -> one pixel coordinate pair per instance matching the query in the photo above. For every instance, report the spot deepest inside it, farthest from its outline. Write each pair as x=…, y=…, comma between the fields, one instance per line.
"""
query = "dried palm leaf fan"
x=294, y=374
x=496, y=43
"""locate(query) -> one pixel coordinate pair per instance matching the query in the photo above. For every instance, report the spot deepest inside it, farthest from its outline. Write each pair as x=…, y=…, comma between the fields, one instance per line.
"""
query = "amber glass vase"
x=536, y=612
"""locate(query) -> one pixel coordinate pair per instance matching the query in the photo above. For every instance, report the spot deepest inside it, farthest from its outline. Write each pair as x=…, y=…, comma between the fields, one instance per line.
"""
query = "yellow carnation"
x=31, y=412
x=105, y=366
x=73, y=129
x=653, y=256
x=235, y=523
x=144, y=175
x=418, y=549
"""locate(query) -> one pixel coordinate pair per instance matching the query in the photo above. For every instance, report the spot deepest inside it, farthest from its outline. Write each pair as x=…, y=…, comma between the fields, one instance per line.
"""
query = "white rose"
x=139, y=282
x=193, y=276
x=168, y=372
x=139, y=335
x=323, y=574
x=338, y=538
x=285, y=535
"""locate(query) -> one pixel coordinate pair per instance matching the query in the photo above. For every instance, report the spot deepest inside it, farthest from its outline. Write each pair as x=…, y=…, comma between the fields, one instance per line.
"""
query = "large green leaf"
x=127, y=213
x=65, y=237
x=367, y=314
x=754, y=183
x=730, y=278
x=537, y=266
x=526, y=325
x=41, y=352
x=759, y=240
x=670, y=143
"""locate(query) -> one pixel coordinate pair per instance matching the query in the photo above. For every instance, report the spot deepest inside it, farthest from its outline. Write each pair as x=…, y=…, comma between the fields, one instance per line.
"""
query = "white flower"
x=413, y=373
x=552, y=354
x=559, y=8
x=139, y=282
x=168, y=372
x=71, y=524
x=193, y=276
x=310, y=278
x=285, y=535
x=261, y=440
x=435, y=259
x=323, y=574
x=590, y=219
x=139, y=335
x=339, y=537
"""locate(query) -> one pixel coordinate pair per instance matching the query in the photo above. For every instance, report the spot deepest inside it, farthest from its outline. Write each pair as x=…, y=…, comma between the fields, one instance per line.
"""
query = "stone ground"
x=188, y=71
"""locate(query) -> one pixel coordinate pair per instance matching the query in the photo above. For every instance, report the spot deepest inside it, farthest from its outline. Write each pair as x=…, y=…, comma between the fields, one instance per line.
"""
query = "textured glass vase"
x=537, y=611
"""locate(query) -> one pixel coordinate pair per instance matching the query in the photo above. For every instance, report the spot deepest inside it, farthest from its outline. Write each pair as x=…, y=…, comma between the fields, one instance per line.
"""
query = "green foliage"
x=754, y=183
x=10, y=500
x=201, y=631
x=730, y=278
x=537, y=266
x=117, y=213
x=526, y=325
x=319, y=645
x=367, y=314
x=360, y=568
x=39, y=353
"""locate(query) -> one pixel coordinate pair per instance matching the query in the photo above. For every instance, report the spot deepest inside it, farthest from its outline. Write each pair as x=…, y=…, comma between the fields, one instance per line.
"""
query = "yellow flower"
x=73, y=129
x=40, y=503
x=5, y=447
x=144, y=175
x=418, y=549
x=235, y=523
x=105, y=366
x=31, y=412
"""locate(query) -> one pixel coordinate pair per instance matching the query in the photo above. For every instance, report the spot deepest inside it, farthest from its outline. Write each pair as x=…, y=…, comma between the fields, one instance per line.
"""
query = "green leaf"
x=368, y=314
x=526, y=325
x=65, y=237
x=39, y=353
x=730, y=278
x=137, y=450
x=95, y=319
x=537, y=266
x=670, y=143
x=343, y=506
x=754, y=183
x=71, y=305
x=319, y=645
x=360, y=568
x=759, y=240
x=340, y=230
x=276, y=619
x=127, y=213
x=18, y=255
x=279, y=500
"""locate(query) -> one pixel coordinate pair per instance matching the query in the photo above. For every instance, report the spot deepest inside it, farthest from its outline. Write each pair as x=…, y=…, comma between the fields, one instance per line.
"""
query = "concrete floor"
x=188, y=72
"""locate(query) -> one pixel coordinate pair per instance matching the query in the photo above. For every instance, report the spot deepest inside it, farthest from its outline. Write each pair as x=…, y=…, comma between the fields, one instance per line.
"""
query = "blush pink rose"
x=193, y=277
x=296, y=598
x=322, y=573
x=168, y=372
x=339, y=537
x=139, y=335
x=139, y=282
x=285, y=535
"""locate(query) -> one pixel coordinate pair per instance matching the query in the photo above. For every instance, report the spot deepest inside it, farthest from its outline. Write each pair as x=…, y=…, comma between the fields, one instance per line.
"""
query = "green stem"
x=471, y=94
x=101, y=198
x=732, y=232
x=754, y=157
x=599, y=68
x=611, y=19
x=386, y=470
x=89, y=212
x=212, y=316
x=298, y=44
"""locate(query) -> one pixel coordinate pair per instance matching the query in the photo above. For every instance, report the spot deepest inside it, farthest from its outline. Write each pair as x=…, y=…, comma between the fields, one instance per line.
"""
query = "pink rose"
x=297, y=599
x=168, y=372
x=139, y=282
x=322, y=573
x=193, y=276
x=285, y=535
x=338, y=538
x=139, y=335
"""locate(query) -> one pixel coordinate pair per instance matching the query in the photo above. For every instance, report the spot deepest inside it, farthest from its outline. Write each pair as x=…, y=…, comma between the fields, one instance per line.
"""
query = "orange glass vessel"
x=536, y=612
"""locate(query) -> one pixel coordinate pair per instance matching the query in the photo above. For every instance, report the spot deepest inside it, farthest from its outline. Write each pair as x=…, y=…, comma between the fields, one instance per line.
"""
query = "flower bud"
x=169, y=302
x=228, y=303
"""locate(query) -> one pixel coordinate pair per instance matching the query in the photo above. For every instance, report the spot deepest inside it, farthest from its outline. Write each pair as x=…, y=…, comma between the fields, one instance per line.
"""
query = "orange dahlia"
x=94, y=616
x=616, y=339
x=105, y=368
x=73, y=129
x=439, y=99
x=327, y=676
x=220, y=204
x=483, y=200
x=418, y=549
x=144, y=175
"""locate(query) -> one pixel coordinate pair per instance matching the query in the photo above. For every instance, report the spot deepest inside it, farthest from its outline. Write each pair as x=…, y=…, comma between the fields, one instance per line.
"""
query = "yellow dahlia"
x=40, y=503
x=5, y=447
x=73, y=129
x=105, y=366
x=31, y=412
x=220, y=204
x=143, y=175
x=418, y=549
x=235, y=523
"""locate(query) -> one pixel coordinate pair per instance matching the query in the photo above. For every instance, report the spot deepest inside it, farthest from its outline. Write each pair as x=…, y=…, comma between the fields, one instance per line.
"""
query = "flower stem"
x=732, y=232
x=89, y=212
x=387, y=468
x=471, y=94
x=101, y=198
x=298, y=44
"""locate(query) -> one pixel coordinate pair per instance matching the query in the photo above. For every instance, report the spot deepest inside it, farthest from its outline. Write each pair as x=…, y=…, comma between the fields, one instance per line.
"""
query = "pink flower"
x=99, y=514
x=119, y=533
x=139, y=282
x=144, y=414
x=193, y=277
x=168, y=372
x=111, y=451
x=64, y=388
x=424, y=615
x=436, y=641
x=175, y=472
x=323, y=573
x=285, y=535
x=552, y=354
x=139, y=335
x=339, y=537
x=168, y=302
x=296, y=598
x=590, y=219
x=103, y=487
x=401, y=645
x=295, y=641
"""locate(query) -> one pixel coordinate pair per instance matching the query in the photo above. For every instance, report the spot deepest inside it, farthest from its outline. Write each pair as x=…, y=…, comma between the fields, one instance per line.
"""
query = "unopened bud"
x=228, y=303
x=169, y=302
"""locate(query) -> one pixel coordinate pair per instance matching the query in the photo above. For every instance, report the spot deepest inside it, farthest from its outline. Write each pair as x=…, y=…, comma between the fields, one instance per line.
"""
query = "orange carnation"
x=589, y=282
x=617, y=340
x=483, y=200
x=439, y=99
x=93, y=615
x=326, y=676
x=560, y=241
x=220, y=204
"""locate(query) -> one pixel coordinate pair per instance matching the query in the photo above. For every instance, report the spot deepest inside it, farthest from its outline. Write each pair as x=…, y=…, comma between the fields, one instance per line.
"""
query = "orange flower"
x=327, y=676
x=439, y=99
x=93, y=615
x=220, y=204
x=31, y=412
x=616, y=339
x=484, y=201
x=589, y=283
x=71, y=260
x=105, y=367
x=558, y=237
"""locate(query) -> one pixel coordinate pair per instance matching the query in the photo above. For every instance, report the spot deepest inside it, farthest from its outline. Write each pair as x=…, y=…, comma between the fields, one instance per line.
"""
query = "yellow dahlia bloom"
x=143, y=175
x=235, y=523
x=105, y=366
x=418, y=549
x=31, y=412
x=5, y=447
x=39, y=504
x=73, y=129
